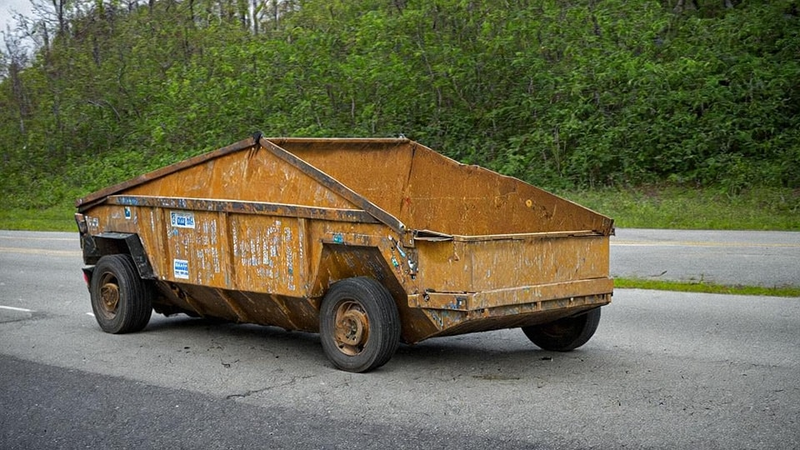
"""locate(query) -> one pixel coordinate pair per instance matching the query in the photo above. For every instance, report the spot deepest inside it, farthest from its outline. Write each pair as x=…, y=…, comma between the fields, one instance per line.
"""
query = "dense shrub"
x=561, y=94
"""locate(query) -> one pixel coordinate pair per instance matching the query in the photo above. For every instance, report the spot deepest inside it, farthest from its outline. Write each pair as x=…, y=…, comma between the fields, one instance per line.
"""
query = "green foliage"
x=564, y=95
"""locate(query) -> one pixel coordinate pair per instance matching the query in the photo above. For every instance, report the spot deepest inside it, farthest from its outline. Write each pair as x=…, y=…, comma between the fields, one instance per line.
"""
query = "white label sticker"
x=180, y=219
x=180, y=268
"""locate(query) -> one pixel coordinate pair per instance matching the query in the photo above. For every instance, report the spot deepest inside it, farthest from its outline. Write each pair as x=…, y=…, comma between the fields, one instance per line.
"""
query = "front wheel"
x=359, y=325
x=564, y=334
x=121, y=301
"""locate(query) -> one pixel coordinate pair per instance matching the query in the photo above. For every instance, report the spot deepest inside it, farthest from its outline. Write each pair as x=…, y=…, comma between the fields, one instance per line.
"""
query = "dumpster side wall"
x=259, y=268
x=457, y=199
x=259, y=253
x=428, y=191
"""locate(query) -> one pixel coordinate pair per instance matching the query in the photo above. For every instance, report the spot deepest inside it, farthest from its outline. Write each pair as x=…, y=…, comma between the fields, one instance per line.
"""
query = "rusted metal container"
x=368, y=242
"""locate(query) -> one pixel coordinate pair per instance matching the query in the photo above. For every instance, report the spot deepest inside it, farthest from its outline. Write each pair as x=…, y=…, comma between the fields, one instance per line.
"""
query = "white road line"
x=13, y=308
x=632, y=243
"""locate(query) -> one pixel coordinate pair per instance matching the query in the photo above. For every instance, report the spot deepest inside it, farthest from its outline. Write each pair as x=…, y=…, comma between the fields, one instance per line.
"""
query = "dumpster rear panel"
x=260, y=232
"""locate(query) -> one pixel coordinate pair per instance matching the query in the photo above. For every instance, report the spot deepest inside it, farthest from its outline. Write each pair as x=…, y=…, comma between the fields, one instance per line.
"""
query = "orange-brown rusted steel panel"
x=258, y=231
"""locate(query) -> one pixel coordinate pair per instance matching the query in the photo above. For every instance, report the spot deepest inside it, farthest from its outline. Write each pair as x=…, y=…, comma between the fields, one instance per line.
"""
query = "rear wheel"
x=121, y=300
x=359, y=325
x=564, y=334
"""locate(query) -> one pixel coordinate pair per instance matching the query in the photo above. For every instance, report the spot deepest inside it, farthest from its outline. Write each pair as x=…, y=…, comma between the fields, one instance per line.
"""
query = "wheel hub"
x=352, y=328
x=109, y=293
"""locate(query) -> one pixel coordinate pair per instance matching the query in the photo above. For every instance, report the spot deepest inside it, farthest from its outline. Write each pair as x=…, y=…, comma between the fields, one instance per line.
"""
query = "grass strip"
x=57, y=218
x=676, y=207
x=706, y=288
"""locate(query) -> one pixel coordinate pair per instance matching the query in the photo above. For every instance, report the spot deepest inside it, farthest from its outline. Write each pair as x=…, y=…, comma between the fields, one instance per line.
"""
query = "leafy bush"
x=560, y=94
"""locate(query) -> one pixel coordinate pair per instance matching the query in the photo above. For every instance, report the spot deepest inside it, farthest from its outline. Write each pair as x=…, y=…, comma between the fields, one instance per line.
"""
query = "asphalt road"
x=664, y=370
x=752, y=258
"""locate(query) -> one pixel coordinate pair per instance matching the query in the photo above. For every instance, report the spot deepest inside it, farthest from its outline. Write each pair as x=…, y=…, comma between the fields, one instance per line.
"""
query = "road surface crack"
x=258, y=391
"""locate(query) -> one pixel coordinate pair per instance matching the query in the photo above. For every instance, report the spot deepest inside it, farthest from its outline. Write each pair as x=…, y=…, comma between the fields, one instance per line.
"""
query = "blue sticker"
x=181, y=219
x=180, y=268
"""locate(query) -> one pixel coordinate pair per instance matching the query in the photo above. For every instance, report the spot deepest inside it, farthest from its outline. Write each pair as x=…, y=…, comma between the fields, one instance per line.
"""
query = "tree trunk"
x=684, y=5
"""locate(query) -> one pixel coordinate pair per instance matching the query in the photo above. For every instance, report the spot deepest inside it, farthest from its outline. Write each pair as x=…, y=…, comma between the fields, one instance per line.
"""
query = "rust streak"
x=240, y=313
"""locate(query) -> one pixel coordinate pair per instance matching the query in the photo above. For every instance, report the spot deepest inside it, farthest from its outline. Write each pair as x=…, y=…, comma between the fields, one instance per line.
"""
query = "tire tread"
x=587, y=323
x=136, y=295
x=384, y=317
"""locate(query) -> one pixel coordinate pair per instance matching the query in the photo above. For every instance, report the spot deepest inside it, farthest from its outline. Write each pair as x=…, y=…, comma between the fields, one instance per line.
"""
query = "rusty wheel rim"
x=109, y=296
x=351, y=327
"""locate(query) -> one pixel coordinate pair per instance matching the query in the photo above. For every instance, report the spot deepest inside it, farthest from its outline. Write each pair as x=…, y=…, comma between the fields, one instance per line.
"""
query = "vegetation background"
x=647, y=110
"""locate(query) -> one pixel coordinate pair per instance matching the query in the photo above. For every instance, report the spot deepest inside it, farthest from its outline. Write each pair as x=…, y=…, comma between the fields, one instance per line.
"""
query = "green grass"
x=674, y=207
x=56, y=218
x=702, y=287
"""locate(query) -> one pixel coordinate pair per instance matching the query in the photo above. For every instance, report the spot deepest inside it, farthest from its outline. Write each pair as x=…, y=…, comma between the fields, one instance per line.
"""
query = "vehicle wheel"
x=359, y=324
x=564, y=334
x=121, y=301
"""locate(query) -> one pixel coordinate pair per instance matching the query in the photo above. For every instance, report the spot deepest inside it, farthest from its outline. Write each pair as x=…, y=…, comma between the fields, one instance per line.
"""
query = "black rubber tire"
x=359, y=325
x=122, y=302
x=564, y=334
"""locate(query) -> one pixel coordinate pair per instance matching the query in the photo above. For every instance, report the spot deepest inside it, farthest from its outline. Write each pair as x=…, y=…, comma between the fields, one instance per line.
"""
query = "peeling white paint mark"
x=235, y=240
x=287, y=233
x=14, y=308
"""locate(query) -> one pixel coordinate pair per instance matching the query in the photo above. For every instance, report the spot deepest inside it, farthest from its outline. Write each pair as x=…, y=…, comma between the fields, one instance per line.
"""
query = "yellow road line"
x=39, y=238
x=40, y=251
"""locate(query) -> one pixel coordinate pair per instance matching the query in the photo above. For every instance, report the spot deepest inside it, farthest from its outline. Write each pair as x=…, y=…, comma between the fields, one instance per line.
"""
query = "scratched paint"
x=265, y=252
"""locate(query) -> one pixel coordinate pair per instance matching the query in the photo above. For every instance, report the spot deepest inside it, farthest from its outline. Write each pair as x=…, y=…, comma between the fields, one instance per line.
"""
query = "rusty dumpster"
x=368, y=242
